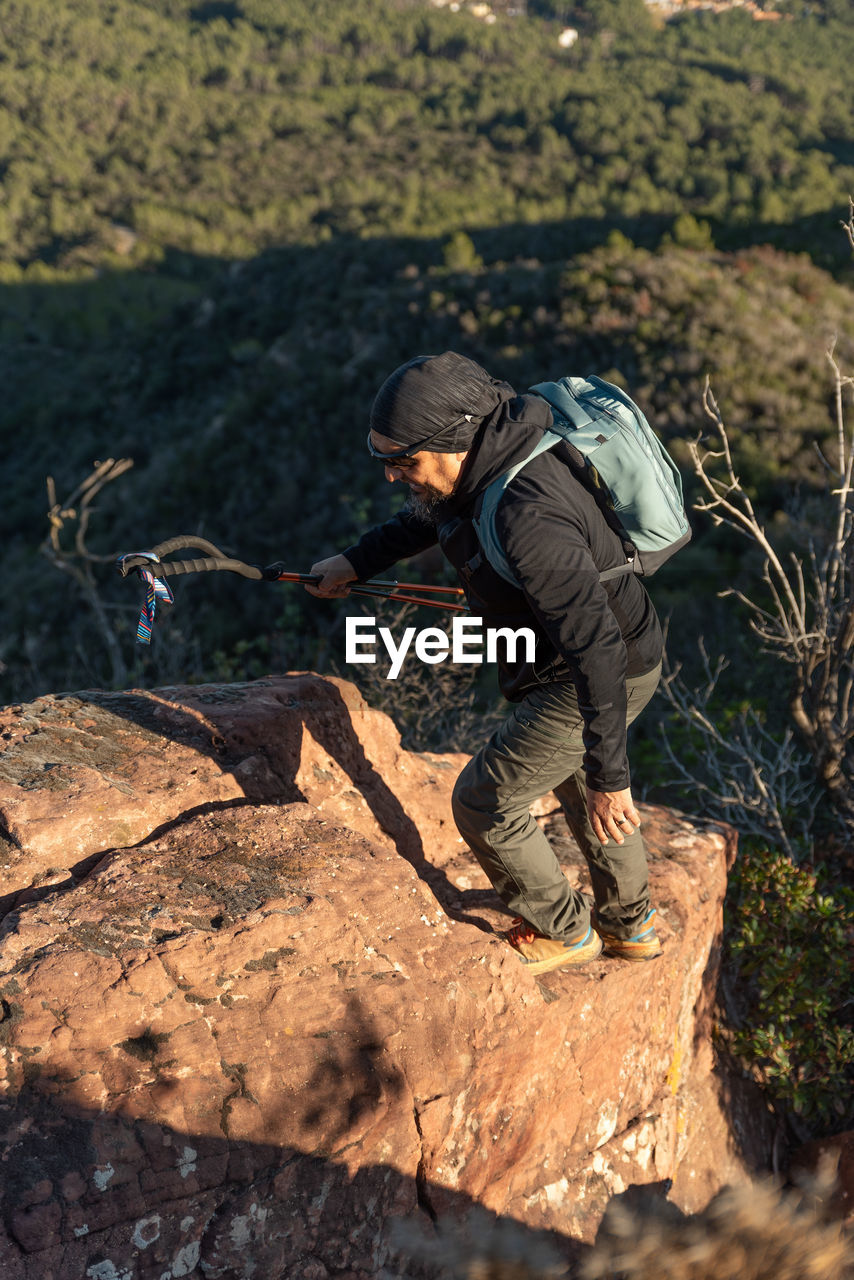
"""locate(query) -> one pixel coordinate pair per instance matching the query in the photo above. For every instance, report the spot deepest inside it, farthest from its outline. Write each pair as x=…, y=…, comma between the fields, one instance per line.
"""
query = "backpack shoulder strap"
x=484, y=517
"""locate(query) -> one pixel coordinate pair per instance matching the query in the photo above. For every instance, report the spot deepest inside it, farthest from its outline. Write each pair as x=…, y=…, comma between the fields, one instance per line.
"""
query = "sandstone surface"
x=256, y=1005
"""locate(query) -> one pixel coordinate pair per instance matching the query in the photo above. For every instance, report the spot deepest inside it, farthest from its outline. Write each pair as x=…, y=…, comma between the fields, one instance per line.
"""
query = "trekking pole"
x=152, y=569
x=368, y=589
x=371, y=582
x=384, y=589
x=416, y=586
x=214, y=560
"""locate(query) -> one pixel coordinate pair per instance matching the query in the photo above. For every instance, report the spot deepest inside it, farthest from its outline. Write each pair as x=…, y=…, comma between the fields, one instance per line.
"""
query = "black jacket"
x=556, y=541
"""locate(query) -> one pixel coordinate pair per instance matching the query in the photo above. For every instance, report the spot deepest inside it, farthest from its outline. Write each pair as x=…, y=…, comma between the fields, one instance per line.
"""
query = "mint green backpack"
x=618, y=457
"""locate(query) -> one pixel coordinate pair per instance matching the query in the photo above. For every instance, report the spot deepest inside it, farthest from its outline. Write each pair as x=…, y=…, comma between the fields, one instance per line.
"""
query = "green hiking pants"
x=538, y=749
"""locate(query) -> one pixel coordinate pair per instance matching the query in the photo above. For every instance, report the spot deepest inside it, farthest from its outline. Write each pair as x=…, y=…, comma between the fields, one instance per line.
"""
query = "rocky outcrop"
x=256, y=1005
x=84, y=773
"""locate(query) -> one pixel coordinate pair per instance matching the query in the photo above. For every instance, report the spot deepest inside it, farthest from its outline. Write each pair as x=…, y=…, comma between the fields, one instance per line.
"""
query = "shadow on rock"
x=352, y=1083
x=91, y=1193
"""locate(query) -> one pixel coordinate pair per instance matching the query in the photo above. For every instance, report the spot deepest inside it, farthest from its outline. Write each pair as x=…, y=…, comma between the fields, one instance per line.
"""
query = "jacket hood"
x=506, y=437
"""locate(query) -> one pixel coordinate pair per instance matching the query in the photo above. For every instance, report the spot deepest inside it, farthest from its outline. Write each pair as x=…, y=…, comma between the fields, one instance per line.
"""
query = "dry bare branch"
x=74, y=514
x=804, y=617
x=747, y=776
x=848, y=227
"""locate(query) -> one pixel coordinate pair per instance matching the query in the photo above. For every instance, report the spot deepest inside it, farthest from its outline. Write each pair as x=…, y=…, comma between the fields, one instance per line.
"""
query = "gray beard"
x=426, y=506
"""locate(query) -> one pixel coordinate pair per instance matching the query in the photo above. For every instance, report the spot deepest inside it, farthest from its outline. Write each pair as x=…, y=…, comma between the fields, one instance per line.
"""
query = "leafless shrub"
x=76, y=559
x=748, y=776
x=803, y=614
x=848, y=227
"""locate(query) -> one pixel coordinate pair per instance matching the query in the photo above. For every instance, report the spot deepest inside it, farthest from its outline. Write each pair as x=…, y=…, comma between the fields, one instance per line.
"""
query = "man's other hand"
x=334, y=572
x=613, y=815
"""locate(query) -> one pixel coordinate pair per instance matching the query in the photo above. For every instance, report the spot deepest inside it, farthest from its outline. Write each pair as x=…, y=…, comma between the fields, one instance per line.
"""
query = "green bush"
x=789, y=934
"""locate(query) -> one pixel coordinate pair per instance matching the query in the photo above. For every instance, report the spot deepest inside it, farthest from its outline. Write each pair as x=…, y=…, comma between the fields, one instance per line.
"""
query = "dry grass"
x=747, y=1233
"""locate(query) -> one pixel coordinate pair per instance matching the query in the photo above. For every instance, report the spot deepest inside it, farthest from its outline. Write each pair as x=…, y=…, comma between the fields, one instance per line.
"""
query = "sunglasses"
x=405, y=457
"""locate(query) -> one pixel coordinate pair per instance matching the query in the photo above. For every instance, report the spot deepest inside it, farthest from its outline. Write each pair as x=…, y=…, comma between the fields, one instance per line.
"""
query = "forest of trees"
x=223, y=129
x=223, y=224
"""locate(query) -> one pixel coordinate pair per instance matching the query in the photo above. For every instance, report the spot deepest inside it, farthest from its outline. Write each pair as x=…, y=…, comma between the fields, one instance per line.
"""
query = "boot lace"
x=520, y=931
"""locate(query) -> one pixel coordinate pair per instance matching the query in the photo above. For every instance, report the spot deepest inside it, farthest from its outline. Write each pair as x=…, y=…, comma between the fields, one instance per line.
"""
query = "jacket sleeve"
x=548, y=549
x=401, y=536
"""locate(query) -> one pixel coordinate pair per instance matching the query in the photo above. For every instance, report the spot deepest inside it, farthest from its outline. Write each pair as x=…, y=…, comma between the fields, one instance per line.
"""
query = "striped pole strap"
x=155, y=589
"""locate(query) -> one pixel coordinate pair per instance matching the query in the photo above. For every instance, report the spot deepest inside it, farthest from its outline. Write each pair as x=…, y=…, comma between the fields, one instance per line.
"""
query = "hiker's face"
x=428, y=475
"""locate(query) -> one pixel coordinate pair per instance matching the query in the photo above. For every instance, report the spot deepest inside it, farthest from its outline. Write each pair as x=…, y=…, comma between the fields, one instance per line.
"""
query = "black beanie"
x=431, y=392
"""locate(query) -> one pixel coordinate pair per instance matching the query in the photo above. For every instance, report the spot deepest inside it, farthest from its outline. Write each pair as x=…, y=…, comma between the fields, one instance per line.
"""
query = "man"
x=444, y=427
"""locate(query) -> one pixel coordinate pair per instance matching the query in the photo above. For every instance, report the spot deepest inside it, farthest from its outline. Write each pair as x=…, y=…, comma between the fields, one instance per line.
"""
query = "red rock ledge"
x=255, y=1003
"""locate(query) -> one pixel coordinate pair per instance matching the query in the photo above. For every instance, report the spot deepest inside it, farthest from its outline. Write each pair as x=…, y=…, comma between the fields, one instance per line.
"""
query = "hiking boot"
x=644, y=945
x=540, y=954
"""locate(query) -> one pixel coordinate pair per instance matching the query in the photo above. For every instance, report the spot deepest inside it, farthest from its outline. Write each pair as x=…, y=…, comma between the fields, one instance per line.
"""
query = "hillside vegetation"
x=223, y=129
x=245, y=415
x=222, y=224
